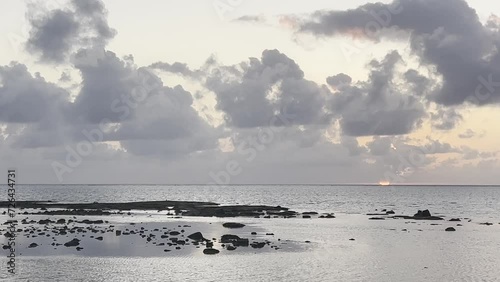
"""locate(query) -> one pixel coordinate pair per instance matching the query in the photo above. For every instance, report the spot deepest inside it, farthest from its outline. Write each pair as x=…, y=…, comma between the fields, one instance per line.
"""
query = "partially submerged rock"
x=233, y=225
x=73, y=243
x=210, y=251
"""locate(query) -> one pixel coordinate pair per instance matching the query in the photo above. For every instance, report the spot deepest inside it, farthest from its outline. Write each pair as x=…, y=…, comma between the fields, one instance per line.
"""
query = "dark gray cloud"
x=26, y=98
x=177, y=68
x=108, y=89
x=445, y=119
x=378, y=106
x=446, y=35
x=253, y=93
x=339, y=81
x=55, y=34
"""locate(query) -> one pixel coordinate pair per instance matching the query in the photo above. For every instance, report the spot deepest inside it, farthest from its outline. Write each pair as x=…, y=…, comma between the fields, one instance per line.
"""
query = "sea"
x=348, y=248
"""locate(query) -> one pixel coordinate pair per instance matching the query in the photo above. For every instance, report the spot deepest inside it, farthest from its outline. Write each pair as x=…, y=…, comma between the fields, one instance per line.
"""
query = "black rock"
x=450, y=229
x=306, y=216
x=174, y=233
x=79, y=248
x=33, y=245
x=5, y=247
x=390, y=212
x=118, y=232
x=99, y=238
x=230, y=248
x=258, y=245
x=72, y=243
x=376, y=218
x=254, y=233
x=197, y=237
x=210, y=251
x=424, y=213
x=233, y=225
x=235, y=240
x=455, y=219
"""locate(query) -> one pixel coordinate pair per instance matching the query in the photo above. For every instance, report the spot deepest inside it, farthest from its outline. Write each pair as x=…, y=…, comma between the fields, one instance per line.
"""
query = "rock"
x=99, y=238
x=352, y=239
x=174, y=233
x=329, y=216
x=270, y=234
x=61, y=221
x=455, y=219
x=486, y=223
x=166, y=250
x=5, y=247
x=254, y=233
x=33, y=245
x=210, y=251
x=72, y=243
x=210, y=244
x=306, y=216
x=424, y=213
x=231, y=248
x=258, y=245
x=310, y=213
x=235, y=240
x=233, y=225
x=450, y=229
x=118, y=232
x=197, y=237
x=79, y=248
x=390, y=212
x=376, y=218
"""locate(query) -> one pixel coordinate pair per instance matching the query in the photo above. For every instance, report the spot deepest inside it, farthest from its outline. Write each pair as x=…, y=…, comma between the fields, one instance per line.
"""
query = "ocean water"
x=390, y=250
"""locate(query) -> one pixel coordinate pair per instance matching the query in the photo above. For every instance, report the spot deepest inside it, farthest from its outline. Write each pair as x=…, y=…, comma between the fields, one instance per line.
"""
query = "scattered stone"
x=450, y=229
x=72, y=243
x=99, y=238
x=210, y=251
x=33, y=245
x=233, y=225
x=376, y=218
x=197, y=237
x=230, y=248
x=455, y=219
x=258, y=245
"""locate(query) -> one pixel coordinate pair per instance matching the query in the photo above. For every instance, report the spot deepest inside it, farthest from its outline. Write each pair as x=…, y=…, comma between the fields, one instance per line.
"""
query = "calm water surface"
x=390, y=250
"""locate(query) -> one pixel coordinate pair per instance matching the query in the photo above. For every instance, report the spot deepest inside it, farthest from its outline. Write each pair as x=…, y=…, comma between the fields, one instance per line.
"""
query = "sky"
x=224, y=92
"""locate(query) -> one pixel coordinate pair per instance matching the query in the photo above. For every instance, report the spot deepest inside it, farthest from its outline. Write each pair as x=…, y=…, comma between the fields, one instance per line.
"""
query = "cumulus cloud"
x=451, y=41
x=379, y=106
x=55, y=34
x=254, y=93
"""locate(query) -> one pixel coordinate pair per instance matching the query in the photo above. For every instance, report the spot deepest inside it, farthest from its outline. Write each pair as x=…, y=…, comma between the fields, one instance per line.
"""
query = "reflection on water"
x=389, y=250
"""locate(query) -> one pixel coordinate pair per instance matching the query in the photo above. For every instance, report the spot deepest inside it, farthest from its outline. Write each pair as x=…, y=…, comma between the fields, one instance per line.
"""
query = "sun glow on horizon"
x=384, y=183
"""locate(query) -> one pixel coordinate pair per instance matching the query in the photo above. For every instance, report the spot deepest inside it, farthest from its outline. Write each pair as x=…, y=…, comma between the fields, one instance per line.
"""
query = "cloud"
x=55, y=34
x=445, y=119
x=378, y=106
x=451, y=42
x=254, y=93
x=469, y=133
x=176, y=68
x=27, y=98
